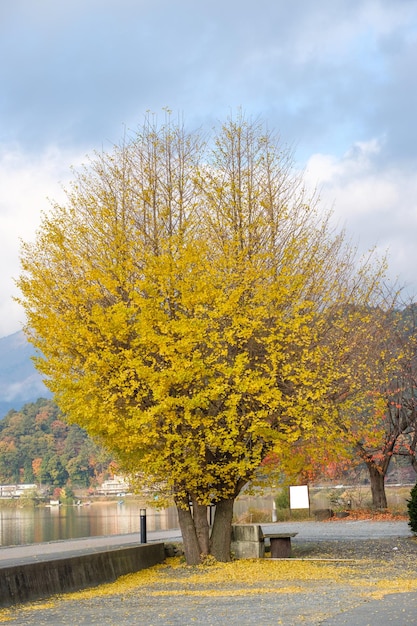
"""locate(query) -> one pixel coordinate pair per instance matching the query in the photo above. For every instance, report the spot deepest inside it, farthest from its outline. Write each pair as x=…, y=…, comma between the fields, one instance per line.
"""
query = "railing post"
x=274, y=511
x=143, y=525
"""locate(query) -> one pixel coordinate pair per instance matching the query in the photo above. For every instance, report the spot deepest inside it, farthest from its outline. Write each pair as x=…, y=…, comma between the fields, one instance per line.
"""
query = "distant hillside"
x=20, y=383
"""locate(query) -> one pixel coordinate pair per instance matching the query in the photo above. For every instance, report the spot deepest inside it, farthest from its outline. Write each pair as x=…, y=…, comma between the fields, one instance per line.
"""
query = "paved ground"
x=397, y=608
x=262, y=610
x=318, y=603
x=341, y=530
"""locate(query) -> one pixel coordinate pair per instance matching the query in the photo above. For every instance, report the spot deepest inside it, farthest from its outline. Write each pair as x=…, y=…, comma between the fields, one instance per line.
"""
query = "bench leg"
x=280, y=547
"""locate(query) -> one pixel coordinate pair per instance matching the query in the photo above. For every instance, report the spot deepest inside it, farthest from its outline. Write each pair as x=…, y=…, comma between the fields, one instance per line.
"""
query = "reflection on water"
x=34, y=525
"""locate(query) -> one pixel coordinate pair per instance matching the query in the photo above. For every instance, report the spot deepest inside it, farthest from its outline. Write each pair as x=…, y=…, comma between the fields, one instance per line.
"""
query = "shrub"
x=282, y=500
x=412, y=509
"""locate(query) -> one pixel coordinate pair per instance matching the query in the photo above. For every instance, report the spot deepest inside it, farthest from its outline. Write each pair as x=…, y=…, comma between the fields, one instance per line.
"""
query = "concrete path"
x=341, y=530
x=396, y=608
x=15, y=555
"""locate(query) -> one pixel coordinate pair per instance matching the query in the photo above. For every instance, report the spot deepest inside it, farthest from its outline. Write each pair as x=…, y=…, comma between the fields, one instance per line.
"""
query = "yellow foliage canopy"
x=192, y=308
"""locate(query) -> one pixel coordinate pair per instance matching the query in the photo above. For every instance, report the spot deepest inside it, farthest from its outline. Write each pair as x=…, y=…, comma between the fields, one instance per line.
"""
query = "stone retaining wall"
x=34, y=580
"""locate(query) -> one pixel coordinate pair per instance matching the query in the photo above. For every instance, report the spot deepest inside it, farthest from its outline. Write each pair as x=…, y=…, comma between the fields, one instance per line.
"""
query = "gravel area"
x=364, y=572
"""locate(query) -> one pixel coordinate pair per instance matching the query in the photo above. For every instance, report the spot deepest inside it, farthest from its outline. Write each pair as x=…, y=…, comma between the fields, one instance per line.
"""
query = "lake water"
x=24, y=525
x=33, y=525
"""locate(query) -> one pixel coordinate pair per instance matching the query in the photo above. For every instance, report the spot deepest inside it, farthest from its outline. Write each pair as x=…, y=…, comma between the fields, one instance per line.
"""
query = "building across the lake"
x=15, y=491
x=117, y=485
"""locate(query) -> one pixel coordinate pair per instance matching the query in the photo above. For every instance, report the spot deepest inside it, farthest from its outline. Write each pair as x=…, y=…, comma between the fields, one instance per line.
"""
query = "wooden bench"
x=280, y=544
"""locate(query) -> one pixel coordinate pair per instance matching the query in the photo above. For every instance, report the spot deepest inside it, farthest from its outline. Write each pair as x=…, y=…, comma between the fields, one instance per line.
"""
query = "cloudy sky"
x=336, y=78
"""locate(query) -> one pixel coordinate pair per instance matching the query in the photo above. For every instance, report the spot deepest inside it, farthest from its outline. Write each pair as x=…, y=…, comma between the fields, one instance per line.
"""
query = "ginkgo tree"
x=193, y=309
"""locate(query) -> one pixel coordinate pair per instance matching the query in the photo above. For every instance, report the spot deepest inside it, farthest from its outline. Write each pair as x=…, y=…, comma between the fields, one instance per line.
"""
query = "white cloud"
x=376, y=205
x=26, y=183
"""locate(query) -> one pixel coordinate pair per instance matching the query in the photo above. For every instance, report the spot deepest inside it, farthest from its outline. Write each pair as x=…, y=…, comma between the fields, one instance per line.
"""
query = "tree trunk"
x=377, y=478
x=221, y=535
x=196, y=532
x=189, y=536
x=201, y=527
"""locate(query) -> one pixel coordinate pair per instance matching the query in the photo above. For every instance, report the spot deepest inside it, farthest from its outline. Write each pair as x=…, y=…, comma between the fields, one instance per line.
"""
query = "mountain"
x=20, y=382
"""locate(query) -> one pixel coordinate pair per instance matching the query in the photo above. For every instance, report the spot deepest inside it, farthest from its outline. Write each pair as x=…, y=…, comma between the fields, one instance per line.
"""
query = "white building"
x=15, y=491
x=117, y=485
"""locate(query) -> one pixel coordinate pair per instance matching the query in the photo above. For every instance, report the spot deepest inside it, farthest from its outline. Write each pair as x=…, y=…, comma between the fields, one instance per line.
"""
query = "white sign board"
x=299, y=498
